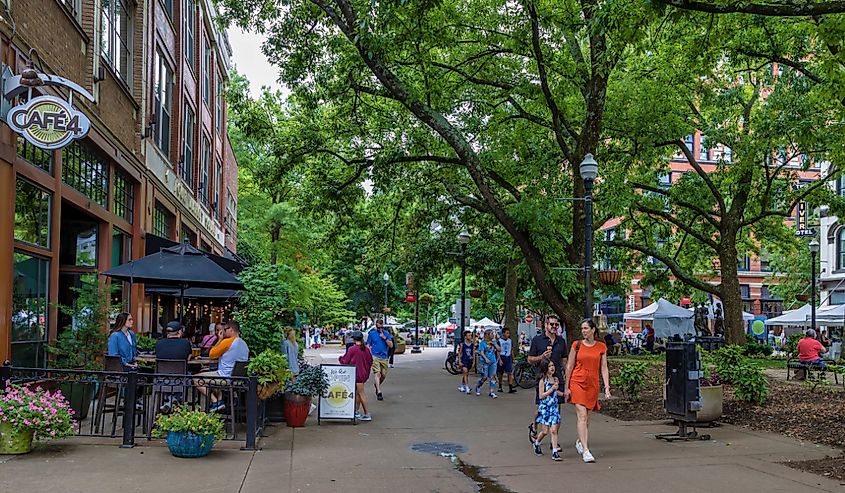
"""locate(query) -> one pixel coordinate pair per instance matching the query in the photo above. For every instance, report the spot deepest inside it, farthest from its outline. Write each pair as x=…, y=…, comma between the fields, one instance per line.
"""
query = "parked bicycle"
x=524, y=373
x=451, y=363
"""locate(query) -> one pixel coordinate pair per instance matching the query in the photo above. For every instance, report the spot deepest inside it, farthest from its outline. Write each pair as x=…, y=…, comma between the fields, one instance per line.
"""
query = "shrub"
x=270, y=367
x=727, y=360
x=750, y=383
x=756, y=348
x=791, y=346
x=46, y=413
x=262, y=306
x=182, y=419
x=311, y=382
x=146, y=343
x=631, y=378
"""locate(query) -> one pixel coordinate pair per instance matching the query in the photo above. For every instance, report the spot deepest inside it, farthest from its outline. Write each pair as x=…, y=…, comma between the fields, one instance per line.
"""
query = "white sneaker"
x=468, y=391
x=579, y=448
x=493, y=395
x=588, y=457
x=461, y=388
x=313, y=407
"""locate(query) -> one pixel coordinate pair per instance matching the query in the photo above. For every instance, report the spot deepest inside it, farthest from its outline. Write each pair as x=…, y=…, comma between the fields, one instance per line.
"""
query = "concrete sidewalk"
x=422, y=405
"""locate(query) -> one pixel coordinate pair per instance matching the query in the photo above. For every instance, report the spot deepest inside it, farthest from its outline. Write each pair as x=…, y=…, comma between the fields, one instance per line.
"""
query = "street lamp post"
x=463, y=238
x=814, y=250
x=589, y=170
x=386, y=280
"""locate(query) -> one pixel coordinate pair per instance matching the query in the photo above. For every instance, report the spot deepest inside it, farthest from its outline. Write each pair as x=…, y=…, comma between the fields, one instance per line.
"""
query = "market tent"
x=830, y=315
x=668, y=319
x=801, y=316
x=486, y=322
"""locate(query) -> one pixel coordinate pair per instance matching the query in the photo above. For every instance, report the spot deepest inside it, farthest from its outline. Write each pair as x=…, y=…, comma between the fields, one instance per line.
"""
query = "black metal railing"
x=126, y=404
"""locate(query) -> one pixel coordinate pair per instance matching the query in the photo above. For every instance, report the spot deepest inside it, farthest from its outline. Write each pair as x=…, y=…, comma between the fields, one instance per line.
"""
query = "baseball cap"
x=357, y=335
x=174, y=326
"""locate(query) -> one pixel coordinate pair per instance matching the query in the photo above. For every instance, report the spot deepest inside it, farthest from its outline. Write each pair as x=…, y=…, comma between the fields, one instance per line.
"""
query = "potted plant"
x=27, y=413
x=189, y=433
x=146, y=344
x=271, y=369
x=82, y=345
x=311, y=382
x=399, y=341
x=710, y=391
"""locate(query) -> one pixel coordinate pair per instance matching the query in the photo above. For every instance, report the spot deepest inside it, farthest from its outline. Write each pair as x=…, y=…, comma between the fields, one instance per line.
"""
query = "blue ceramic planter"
x=190, y=445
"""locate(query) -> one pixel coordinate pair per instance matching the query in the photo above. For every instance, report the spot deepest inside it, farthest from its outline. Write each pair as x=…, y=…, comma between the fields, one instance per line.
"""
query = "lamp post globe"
x=589, y=170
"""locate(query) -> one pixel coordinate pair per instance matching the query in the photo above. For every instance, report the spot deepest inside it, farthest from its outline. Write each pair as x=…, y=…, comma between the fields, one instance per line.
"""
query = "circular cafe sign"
x=48, y=122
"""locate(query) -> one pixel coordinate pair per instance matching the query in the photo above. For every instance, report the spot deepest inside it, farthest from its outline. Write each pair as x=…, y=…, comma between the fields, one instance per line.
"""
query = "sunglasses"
x=554, y=324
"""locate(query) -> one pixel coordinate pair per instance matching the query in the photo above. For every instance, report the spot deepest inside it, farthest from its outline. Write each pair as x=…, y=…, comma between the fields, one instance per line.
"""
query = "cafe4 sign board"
x=338, y=402
x=48, y=122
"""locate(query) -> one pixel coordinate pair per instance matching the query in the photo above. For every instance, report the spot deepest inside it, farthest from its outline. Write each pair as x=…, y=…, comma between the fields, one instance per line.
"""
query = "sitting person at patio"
x=229, y=351
x=122, y=341
x=173, y=346
x=810, y=350
x=210, y=340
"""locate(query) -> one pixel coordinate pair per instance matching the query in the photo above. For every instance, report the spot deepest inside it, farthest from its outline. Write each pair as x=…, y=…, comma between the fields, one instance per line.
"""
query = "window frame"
x=49, y=202
x=840, y=251
x=162, y=93
x=112, y=45
x=206, y=75
x=203, y=187
x=186, y=166
x=219, y=104
x=190, y=37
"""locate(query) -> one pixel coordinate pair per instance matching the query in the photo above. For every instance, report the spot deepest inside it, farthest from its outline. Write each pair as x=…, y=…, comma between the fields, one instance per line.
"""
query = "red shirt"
x=809, y=349
x=361, y=358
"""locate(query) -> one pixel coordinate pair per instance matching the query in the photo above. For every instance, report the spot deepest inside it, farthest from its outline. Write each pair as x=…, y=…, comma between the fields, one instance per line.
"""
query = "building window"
x=124, y=196
x=163, y=102
x=216, y=178
x=219, y=103
x=121, y=252
x=186, y=167
x=665, y=180
x=840, y=249
x=74, y=8
x=190, y=10
x=36, y=156
x=117, y=37
x=703, y=151
x=188, y=236
x=231, y=211
x=688, y=141
x=30, y=308
x=204, y=165
x=743, y=263
x=162, y=221
x=168, y=7
x=840, y=185
x=86, y=171
x=79, y=243
x=32, y=214
x=206, y=75
x=727, y=154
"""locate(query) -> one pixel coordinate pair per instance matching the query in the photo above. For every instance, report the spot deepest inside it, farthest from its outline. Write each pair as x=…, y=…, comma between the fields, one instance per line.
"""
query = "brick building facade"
x=130, y=184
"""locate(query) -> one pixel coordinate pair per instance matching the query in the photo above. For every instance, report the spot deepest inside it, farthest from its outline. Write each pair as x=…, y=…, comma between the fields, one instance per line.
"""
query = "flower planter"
x=400, y=349
x=711, y=404
x=14, y=442
x=296, y=409
x=610, y=277
x=475, y=293
x=266, y=391
x=189, y=445
x=276, y=408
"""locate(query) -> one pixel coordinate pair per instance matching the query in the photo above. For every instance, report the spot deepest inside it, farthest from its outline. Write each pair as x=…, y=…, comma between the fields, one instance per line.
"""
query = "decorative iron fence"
x=126, y=404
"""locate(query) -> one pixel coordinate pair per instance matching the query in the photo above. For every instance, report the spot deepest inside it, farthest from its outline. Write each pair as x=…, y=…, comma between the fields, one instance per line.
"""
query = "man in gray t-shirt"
x=237, y=351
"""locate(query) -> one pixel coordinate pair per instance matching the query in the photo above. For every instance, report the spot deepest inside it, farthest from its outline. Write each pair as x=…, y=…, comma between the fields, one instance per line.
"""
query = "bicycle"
x=451, y=363
x=524, y=373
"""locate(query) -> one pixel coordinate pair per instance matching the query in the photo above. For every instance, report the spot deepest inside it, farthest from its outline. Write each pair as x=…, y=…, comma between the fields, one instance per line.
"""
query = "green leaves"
x=631, y=378
x=183, y=419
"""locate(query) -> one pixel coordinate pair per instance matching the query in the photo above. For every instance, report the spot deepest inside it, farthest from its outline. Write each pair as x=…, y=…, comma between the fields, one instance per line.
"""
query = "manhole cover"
x=438, y=448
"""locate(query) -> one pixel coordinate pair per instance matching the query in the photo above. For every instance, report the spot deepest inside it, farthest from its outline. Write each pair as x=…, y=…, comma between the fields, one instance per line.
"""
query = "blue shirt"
x=506, y=344
x=378, y=346
x=123, y=346
x=291, y=350
x=489, y=351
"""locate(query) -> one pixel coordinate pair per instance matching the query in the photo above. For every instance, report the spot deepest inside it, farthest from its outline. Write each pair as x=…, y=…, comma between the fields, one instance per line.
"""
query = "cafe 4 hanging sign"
x=47, y=122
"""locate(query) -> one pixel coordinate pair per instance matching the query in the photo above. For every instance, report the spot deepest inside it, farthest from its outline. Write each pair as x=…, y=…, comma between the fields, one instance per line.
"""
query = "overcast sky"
x=251, y=62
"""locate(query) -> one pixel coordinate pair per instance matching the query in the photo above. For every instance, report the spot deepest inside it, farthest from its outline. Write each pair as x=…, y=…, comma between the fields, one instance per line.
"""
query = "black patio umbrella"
x=182, y=266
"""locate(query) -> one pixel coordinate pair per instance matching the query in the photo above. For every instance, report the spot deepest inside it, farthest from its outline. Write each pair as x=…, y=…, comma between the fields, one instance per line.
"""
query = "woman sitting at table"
x=210, y=340
x=122, y=341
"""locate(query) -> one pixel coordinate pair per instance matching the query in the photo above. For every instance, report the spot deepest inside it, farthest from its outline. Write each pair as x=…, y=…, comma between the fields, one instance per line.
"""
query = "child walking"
x=465, y=359
x=548, y=409
x=488, y=362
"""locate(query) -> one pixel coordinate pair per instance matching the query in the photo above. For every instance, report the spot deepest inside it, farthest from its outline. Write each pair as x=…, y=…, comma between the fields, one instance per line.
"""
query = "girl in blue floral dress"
x=548, y=410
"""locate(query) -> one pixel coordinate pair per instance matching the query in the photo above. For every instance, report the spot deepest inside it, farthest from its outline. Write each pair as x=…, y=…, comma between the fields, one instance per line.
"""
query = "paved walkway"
x=422, y=405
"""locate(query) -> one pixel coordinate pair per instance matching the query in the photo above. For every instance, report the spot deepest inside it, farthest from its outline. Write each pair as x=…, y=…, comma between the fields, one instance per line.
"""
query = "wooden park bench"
x=811, y=373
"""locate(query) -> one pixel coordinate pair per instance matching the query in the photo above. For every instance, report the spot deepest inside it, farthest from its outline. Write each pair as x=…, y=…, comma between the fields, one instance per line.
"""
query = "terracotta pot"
x=14, y=442
x=296, y=409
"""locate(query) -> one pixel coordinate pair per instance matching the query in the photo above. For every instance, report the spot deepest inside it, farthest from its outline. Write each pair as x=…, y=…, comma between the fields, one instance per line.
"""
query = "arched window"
x=840, y=249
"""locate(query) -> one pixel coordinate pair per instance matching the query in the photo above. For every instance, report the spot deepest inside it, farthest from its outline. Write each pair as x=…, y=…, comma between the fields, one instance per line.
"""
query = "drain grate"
x=438, y=448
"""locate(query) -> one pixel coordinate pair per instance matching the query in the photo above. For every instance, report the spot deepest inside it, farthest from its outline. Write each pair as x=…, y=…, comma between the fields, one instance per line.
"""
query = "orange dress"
x=584, y=382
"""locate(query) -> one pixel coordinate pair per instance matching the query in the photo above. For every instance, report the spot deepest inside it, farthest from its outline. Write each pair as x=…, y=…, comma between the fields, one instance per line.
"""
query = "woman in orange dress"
x=587, y=358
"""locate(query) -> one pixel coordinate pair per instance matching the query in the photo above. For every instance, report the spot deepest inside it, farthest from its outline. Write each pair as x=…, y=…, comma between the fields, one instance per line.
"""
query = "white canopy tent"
x=486, y=322
x=668, y=319
x=800, y=316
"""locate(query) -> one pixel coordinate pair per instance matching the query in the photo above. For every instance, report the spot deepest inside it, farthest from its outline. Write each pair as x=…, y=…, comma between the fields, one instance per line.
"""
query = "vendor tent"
x=486, y=322
x=801, y=316
x=668, y=319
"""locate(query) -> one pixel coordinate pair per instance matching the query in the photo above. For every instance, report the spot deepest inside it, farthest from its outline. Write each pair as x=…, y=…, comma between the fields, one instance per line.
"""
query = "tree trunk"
x=730, y=292
x=511, y=287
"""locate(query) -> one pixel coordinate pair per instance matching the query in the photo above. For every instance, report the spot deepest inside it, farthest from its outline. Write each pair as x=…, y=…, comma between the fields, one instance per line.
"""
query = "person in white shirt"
x=506, y=360
x=230, y=350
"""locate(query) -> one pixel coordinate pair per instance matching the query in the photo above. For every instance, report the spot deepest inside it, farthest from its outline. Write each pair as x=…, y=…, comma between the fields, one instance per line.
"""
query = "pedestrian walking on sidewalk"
x=465, y=360
x=359, y=356
x=506, y=361
x=589, y=360
x=548, y=409
x=487, y=361
x=546, y=346
x=379, y=342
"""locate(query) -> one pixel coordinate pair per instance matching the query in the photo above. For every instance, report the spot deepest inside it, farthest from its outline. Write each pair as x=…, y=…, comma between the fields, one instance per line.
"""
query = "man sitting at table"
x=229, y=351
x=174, y=347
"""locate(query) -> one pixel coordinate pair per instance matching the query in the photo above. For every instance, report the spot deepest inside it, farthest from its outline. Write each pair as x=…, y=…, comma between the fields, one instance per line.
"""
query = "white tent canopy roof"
x=799, y=316
x=660, y=310
x=486, y=322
